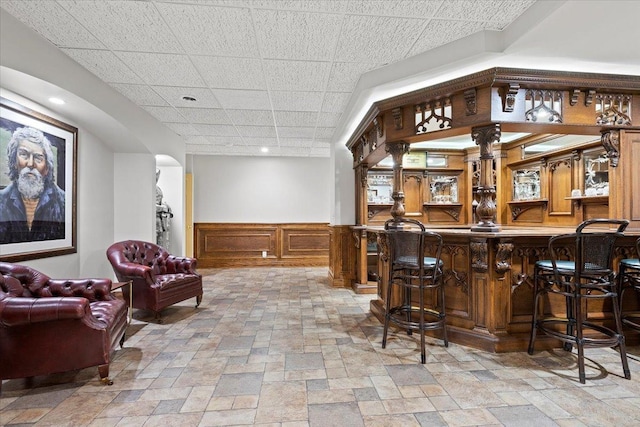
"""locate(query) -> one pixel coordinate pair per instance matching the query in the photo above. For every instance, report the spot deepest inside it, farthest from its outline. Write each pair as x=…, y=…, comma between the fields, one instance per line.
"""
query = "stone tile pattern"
x=281, y=347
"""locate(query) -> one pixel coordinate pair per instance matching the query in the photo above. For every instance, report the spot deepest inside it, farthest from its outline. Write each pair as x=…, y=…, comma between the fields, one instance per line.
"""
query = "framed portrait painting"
x=37, y=184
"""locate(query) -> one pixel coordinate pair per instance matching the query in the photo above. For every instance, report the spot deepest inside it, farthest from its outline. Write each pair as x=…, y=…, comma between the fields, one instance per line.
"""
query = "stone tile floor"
x=280, y=347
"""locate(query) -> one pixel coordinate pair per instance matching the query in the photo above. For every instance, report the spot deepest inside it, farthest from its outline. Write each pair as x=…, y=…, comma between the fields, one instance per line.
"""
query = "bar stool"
x=414, y=274
x=629, y=278
x=588, y=276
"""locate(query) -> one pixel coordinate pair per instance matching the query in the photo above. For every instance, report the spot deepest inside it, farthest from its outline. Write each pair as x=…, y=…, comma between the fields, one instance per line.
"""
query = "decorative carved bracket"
x=611, y=142
x=575, y=94
x=479, y=255
x=470, y=101
x=377, y=125
x=503, y=256
x=397, y=118
x=588, y=97
x=509, y=100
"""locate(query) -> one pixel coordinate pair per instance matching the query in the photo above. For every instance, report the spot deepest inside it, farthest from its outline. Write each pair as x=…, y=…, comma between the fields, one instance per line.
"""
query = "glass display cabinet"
x=379, y=188
x=596, y=169
x=526, y=184
x=443, y=189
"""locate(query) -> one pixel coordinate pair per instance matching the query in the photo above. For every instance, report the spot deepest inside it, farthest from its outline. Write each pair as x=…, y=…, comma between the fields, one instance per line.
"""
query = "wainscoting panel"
x=246, y=245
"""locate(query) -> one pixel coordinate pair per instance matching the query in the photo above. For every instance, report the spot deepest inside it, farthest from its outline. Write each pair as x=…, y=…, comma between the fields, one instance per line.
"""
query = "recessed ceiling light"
x=57, y=101
x=264, y=149
x=189, y=98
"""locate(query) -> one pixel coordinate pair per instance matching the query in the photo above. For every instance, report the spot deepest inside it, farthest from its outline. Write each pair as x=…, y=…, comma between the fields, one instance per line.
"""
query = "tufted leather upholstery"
x=159, y=278
x=56, y=325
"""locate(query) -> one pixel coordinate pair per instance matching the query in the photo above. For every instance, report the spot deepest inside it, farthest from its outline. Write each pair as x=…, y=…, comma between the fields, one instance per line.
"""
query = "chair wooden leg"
x=443, y=314
x=534, y=313
x=103, y=370
x=387, y=314
x=423, y=355
x=577, y=306
x=198, y=300
x=621, y=343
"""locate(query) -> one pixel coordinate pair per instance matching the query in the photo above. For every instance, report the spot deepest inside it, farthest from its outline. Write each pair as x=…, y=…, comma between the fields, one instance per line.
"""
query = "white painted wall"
x=134, y=193
x=261, y=189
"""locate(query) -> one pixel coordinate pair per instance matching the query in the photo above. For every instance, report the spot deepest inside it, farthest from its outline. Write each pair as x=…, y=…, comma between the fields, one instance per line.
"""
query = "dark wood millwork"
x=510, y=196
x=489, y=285
x=243, y=245
x=486, y=210
x=397, y=151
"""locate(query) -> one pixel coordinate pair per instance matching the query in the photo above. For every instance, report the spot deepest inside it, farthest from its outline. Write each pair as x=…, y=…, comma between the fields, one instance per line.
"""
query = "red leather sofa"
x=56, y=325
x=159, y=278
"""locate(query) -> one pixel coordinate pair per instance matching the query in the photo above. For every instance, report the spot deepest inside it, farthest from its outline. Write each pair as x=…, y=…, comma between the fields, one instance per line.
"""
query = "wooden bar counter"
x=488, y=280
x=497, y=162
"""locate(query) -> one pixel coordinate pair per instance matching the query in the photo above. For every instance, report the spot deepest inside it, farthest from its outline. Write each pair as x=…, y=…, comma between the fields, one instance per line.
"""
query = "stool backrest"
x=592, y=246
x=409, y=243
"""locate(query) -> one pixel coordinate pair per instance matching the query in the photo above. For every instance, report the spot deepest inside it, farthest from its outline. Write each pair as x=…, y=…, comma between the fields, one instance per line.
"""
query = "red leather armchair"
x=159, y=278
x=56, y=325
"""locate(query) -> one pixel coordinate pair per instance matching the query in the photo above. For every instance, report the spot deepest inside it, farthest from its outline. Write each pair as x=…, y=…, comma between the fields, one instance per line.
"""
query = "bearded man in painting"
x=32, y=206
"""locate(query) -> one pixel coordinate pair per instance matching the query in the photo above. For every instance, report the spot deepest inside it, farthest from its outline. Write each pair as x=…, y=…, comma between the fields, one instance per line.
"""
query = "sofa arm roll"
x=16, y=311
x=131, y=270
x=176, y=264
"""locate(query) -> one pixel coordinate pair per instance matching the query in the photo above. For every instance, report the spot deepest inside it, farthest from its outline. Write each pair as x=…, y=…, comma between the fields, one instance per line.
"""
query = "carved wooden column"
x=484, y=137
x=397, y=150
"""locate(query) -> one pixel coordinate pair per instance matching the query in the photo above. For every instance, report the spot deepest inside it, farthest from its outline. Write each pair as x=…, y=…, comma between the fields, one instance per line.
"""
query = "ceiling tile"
x=306, y=5
x=257, y=131
x=296, y=75
x=400, y=8
x=182, y=129
x=296, y=118
x=174, y=96
x=51, y=21
x=295, y=142
x=140, y=94
x=208, y=30
x=105, y=65
x=243, y=99
x=215, y=130
x=265, y=68
x=125, y=25
x=487, y=10
x=296, y=132
x=345, y=75
x=221, y=140
x=257, y=141
x=297, y=35
x=220, y=72
x=251, y=117
x=296, y=101
x=388, y=43
x=441, y=32
x=324, y=133
x=328, y=119
x=162, y=69
x=211, y=116
x=198, y=140
x=165, y=114
x=335, y=102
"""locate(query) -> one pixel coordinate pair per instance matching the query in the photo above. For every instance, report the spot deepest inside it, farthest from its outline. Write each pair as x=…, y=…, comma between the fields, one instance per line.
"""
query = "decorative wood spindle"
x=484, y=137
x=397, y=151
